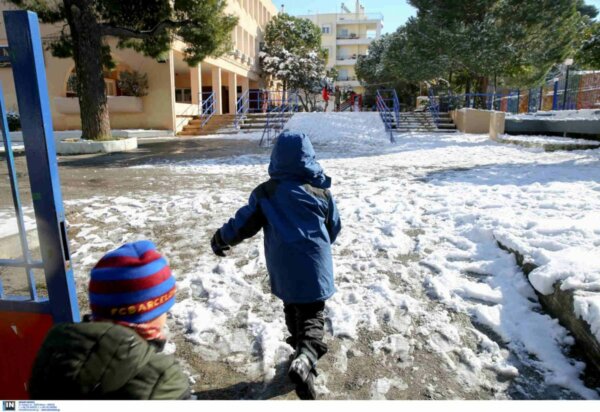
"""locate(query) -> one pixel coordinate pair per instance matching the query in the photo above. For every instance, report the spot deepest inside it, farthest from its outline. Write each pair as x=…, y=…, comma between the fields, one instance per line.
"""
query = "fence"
x=576, y=90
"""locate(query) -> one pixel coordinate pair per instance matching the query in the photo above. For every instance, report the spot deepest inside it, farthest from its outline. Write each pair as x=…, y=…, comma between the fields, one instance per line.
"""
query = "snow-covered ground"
x=427, y=303
x=8, y=222
x=559, y=115
x=547, y=140
x=16, y=147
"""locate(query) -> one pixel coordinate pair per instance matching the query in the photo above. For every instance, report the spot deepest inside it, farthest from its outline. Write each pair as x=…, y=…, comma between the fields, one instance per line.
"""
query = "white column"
x=196, y=85
x=216, y=86
x=232, y=84
x=245, y=83
x=172, y=90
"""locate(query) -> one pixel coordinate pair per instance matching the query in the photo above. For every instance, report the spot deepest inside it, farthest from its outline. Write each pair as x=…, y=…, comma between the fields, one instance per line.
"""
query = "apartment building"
x=347, y=35
x=175, y=90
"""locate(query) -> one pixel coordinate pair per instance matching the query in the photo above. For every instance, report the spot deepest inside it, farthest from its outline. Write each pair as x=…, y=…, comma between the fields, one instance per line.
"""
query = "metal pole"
x=27, y=59
x=566, y=89
x=541, y=104
x=555, y=96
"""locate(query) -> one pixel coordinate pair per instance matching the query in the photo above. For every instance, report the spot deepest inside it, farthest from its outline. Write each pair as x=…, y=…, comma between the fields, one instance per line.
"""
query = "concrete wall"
x=497, y=124
x=472, y=120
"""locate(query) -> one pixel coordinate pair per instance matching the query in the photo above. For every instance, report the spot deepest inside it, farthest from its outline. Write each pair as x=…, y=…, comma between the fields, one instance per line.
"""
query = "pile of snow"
x=417, y=254
x=559, y=115
x=548, y=140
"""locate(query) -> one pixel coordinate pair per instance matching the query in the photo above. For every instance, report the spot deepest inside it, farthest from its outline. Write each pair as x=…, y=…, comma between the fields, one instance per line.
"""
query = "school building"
x=175, y=89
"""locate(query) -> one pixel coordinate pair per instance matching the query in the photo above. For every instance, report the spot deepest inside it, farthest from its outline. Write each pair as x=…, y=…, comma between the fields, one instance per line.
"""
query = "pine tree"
x=146, y=26
x=479, y=41
x=293, y=55
x=589, y=54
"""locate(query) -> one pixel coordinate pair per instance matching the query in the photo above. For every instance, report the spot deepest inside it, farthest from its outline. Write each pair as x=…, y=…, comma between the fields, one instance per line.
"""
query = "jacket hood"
x=293, y=158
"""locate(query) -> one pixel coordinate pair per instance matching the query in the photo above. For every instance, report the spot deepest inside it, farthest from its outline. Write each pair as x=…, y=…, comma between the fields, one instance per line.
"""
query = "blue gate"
x=24, y=320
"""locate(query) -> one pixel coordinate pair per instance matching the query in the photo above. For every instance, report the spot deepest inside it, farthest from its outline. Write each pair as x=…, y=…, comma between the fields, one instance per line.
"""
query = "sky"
x=395, y=12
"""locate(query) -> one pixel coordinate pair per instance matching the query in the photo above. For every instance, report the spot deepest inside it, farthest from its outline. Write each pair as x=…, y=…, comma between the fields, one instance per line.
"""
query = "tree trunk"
x=482, y=86
x=468, y=92
x=87, y=53
x=304, y=102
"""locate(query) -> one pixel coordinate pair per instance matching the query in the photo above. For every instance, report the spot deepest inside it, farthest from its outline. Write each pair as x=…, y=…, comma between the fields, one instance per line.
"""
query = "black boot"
x=302, y=373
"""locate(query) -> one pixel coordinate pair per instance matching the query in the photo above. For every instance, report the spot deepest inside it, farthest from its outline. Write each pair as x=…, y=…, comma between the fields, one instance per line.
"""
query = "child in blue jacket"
x=300, y=222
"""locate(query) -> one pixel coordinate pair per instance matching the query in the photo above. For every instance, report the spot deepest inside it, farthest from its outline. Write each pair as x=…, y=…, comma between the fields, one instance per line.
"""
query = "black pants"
x=306, y=323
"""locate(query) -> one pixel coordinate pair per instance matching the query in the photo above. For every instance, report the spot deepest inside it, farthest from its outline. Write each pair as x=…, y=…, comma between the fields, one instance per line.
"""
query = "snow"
x=548, y=140
x=417, y=263
x=8, y=222
x=16, y=147
x=558, y=115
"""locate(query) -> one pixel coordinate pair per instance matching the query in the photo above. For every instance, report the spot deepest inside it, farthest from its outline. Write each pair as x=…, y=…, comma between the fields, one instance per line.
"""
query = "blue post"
x=27, y=59
x=555, y=96
x=565, y=97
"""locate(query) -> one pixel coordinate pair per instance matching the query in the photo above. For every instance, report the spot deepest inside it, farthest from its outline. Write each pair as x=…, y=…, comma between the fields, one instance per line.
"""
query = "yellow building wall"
x=159, y=105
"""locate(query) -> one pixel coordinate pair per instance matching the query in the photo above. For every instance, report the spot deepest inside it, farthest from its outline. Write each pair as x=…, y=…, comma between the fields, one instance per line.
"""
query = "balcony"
x=354, y=39
x=353, y=18
x=346, y=60
x=351, y=81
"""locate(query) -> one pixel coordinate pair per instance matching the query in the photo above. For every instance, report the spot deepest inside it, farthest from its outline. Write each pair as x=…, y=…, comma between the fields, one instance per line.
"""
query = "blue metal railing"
x=390, y=98
x=207, y=107
x=386, y=115
x=243, y=106
x=434, y=107
x=277, y=117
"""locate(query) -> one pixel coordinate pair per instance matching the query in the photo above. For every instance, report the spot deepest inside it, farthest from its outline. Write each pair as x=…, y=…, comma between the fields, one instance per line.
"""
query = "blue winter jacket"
x=300, y=222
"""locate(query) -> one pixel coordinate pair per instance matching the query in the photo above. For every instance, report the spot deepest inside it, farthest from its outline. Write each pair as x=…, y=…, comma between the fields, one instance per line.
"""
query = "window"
x=183, y=95
x=72, y=85
x=111, y=87
x=326, y=29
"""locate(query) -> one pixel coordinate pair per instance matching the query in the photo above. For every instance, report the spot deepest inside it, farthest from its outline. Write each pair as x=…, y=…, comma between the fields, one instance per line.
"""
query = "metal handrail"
x=393, y=100
x=183, y=116
x=276, y=118
x=272, y=120
x=434, y=108
x=242, y=106
x=386, y=115
x=207, y=109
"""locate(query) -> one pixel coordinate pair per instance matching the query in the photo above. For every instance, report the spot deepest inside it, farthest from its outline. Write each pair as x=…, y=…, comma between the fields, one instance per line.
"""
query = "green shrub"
x=133, y=83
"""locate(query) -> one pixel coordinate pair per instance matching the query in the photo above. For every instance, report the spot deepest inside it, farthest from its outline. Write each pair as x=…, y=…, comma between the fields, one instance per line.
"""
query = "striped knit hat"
x=132, y=284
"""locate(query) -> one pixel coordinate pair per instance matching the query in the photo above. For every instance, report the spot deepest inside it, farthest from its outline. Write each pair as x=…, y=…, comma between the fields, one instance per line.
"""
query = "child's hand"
x=218, y=246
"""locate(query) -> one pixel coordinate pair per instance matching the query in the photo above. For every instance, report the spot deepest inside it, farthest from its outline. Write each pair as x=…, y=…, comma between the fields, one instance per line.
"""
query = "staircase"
x=223, y=124
x=419, y=122
x=255, y=122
